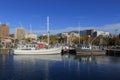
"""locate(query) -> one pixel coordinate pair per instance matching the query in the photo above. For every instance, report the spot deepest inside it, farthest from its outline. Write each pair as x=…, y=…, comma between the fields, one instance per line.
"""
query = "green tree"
x=53, y=39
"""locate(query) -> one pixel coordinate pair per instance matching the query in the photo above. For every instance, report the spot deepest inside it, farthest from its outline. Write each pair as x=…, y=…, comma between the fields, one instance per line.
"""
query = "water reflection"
x=57, y=67
x=4, y=51
x=35, y=65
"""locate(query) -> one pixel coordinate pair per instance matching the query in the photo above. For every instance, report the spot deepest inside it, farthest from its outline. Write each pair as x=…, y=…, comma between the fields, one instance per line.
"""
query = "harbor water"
x=57, y=67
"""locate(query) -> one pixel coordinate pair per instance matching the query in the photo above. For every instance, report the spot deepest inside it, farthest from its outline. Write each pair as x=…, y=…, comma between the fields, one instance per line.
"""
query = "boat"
x=36, y=48
x=88, y=49
x=85, y=47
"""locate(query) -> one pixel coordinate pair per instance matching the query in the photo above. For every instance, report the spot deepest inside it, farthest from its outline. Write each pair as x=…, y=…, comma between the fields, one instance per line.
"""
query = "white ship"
x=55, y=50
x=32, y=48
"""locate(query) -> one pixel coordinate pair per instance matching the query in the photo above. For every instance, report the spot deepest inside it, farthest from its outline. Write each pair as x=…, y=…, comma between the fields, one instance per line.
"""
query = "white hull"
x=41, y=51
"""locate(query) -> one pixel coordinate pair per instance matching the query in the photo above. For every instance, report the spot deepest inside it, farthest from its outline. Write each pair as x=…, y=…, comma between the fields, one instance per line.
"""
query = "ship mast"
x=79, y=32
x=30, y=29
x=48, y=32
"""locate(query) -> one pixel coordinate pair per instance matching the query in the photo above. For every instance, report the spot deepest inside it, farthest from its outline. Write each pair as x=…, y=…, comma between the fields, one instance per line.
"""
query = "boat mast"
x=79, y=32
x=30, y=29
x=30, y=32
x=48, y=32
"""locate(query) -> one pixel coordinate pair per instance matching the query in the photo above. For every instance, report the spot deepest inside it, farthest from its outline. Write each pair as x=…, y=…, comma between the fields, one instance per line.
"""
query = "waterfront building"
x=68, y=37
x=72, y=35
x=88, y=32
x=65, y=37
x=31, y=36
x=44, y=34
x=64, y=34
x=102, y=33
x=94, y=33
x=4, y=31
x=19, y=33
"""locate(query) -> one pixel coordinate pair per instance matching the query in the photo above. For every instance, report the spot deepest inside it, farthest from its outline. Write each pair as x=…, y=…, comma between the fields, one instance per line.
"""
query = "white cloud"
x=110, y=28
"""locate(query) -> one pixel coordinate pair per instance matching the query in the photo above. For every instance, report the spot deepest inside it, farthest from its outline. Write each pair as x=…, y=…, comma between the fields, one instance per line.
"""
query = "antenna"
x=48, y=32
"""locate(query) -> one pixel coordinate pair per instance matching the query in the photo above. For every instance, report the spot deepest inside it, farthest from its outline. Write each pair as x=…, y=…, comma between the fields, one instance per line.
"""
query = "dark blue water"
x=57, y=67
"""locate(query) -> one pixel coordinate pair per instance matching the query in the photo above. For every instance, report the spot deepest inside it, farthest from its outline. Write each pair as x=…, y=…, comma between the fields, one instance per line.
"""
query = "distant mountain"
x=73, y=31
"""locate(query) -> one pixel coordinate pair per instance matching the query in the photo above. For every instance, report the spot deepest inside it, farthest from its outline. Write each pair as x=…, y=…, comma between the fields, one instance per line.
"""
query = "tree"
x=76, y=40
x=53, y=39
x=16, y=40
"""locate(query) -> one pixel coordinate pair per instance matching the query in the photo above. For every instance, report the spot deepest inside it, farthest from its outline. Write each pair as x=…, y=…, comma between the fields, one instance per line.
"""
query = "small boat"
x=89, y=49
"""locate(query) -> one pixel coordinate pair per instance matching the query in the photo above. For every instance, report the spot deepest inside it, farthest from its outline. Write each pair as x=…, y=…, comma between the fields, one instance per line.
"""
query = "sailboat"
x=31, y=48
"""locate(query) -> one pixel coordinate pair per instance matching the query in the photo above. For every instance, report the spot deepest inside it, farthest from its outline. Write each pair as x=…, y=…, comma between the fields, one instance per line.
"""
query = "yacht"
x=37, y=48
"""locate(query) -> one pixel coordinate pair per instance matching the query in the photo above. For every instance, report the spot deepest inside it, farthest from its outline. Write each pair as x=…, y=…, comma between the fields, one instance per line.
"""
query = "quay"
x=90, y=53
x=81, y=52
x=4, y=51
x=68, y=50
x=113, y=52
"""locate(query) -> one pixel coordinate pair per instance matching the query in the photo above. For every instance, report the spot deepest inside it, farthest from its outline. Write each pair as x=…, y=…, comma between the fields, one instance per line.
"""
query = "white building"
x=98, y=33
x=32, y=36
x=64, y=34
x=73, y=34
x=19, y=33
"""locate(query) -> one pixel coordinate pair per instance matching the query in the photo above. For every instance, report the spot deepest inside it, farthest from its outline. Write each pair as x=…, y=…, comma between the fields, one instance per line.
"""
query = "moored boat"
x=89, y=50
x=38, y=48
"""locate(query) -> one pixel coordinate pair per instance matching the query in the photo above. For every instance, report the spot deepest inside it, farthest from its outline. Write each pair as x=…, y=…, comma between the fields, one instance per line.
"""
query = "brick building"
x=4, y=31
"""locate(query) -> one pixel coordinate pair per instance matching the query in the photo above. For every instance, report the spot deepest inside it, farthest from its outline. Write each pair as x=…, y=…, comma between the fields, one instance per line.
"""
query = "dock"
x=90, y=53
x=70, y=50
x=113, y=52
x=4, y=51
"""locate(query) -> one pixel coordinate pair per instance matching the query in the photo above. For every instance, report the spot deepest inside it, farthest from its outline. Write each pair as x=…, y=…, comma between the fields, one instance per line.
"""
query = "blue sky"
x=64, y=14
